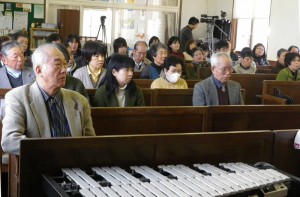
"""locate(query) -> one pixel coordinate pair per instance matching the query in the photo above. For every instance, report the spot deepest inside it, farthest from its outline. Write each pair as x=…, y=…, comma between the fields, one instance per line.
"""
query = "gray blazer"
x=26, y=116
x=28, y=77
x=205, y=93
x=83, y=75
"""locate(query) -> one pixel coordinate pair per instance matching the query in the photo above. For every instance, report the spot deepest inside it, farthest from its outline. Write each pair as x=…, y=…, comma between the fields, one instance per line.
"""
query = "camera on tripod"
x=102, y=19
x=208, y=19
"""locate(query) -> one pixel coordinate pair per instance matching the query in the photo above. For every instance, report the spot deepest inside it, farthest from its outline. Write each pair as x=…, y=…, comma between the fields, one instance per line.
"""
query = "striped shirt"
x=57, y=117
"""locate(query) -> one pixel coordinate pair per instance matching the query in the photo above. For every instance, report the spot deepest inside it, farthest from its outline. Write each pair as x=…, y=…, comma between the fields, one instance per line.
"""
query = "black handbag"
x=278, y=93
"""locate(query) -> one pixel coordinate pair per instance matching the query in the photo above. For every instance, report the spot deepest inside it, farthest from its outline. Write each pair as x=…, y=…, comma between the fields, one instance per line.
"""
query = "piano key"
x=153, y=172
x=228, y=182
x=119, y=190
x=86, y=177
x=185, y=188
x=174, y=189
x=126, y=174
x=98, y=192
x=86, y=193
x=153, y=189
x=109, y=192
x=144, y=173
x=200, y=187
x=284, y=177
x=162, y=188
x=116, y=175
x=105, y=175
x=182, y=171
x=236, y=181
x=213, y=186
x=194, y=172
x=143, y=190
x=171, y=171
x=131, y=190
x=215, y=169
x=79, y=181
x=220, y=184
x=243, y=180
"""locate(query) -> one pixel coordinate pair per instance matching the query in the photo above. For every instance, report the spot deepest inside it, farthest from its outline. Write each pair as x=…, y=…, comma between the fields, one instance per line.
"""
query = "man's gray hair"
x=41, y=55
x=155, y=48
x=215, y=58
x=8, y=45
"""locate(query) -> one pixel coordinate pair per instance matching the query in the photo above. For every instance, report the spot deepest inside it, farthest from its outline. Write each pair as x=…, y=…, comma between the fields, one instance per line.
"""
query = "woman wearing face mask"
x=171, y=76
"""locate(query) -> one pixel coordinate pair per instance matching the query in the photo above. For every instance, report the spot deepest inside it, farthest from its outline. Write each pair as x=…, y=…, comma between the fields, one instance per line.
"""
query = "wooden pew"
x=263, y=69
x=252, y=83
x=172, y=97
x=260, y=117
x=285, y=157
x=146, y=83
x=49, y=156
x=147, y=92
x=203, y=72
x=289, y=88
x=148, y=120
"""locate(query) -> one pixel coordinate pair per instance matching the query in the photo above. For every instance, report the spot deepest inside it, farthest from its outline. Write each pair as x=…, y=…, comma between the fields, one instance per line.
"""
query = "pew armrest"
x=272, y=100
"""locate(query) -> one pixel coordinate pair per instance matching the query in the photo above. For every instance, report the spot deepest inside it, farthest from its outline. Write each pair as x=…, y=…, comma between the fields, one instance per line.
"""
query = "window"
x=252, y=22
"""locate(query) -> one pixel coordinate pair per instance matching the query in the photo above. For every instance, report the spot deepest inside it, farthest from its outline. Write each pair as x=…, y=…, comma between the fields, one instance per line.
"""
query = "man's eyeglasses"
x=224, y=70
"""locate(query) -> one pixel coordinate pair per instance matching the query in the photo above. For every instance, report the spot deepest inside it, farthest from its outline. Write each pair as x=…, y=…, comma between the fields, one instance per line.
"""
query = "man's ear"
x=38, y=71
x=4, y=60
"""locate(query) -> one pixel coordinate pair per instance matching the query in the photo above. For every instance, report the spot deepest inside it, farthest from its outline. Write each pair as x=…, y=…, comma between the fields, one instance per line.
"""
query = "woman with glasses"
x=291, y=72
x=198, y=61
x=259, y=55
x=170, y=78
x=218, y=89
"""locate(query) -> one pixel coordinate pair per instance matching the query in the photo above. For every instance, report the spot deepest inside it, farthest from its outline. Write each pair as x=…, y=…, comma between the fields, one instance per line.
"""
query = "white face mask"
x=173, y=78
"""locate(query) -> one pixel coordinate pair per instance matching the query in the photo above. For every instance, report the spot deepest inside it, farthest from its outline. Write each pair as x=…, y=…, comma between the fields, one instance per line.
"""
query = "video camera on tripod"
x=102, y=19
x=208, y=19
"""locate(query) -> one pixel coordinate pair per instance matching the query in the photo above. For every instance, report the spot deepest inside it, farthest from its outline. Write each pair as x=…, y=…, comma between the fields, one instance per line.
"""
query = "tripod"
x=103, y=32
x=210, y=34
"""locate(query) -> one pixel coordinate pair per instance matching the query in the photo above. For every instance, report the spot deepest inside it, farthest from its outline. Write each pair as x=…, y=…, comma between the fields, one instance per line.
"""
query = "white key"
x=109, y=192
x=250, y=178
x=284, y=177
x=220, y=184
x=120, y=191
x=182, y=171
x=107, y=176
x=154, y=173
x=228, y=182
x=194, y=172
x=200, y=187
x=247, y=182
x=215, y=169
x=171, y=171
x=236, y=181
x=86, y=177
x=185, y=188
x=162, y=188
x=144, y=173
x=214, y=186
x=79, y=181
x=132, y=191
x=116, y=175
x=206, y=169
x=86, y=193
x=142, y=190
x=173, y=188
x=153, y=189
x=126, y=174
x=98, y=192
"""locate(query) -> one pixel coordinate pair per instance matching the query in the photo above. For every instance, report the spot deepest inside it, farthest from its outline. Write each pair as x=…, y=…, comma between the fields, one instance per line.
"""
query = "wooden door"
x=68, y=22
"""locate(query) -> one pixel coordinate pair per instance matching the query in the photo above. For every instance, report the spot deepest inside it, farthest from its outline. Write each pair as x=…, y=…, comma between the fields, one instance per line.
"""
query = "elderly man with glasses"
x=218, y=89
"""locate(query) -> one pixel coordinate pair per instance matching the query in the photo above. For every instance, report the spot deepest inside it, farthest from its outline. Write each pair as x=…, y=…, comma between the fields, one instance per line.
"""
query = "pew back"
x=290, y=88
x=240, y=118
x=252, y=83
x=145, y=120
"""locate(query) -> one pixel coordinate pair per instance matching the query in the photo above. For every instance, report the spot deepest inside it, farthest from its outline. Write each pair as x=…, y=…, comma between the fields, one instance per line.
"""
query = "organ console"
x=197, y=164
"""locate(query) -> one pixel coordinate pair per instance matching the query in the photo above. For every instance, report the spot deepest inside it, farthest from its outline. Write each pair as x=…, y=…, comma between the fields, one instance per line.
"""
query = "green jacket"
x=286, y=75
x=102, y=99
